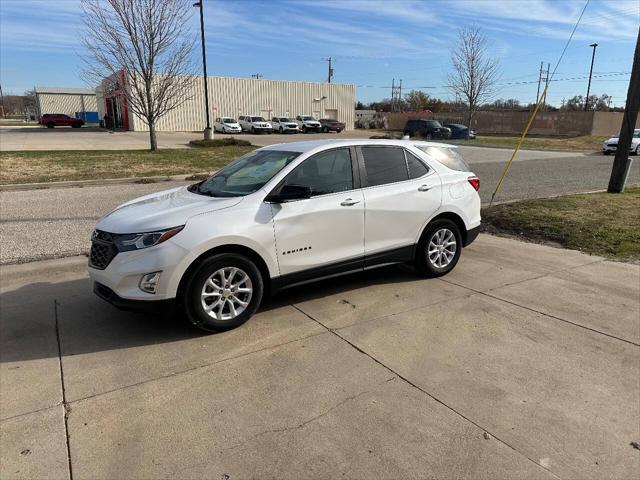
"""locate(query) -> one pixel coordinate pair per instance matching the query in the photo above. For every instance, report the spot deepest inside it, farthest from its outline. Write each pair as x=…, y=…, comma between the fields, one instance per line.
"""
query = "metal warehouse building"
x=232, y=97
x=70, y=101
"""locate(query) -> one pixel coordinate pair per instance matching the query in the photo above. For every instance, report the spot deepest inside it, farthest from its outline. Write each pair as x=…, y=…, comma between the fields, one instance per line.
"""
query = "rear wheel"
x=428, y=136
x=325, y=130
x=223, y=293
x=407, y=133
x=439, y=248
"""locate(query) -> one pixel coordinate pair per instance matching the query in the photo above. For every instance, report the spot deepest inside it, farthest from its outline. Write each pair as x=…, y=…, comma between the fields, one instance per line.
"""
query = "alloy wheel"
x=226, y=293
x=442, y=248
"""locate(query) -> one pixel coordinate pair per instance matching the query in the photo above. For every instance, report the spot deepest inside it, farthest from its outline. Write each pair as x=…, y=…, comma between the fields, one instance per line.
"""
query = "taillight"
x=475, y=183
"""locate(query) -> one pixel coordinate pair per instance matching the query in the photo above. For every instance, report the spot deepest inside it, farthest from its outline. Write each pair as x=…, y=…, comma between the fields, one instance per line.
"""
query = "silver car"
x=254, y=124
x=284, y=125
x=611, y=145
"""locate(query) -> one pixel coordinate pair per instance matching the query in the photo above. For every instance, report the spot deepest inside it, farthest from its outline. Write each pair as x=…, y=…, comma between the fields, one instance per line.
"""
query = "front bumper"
x=125, y=270
x=105, y=293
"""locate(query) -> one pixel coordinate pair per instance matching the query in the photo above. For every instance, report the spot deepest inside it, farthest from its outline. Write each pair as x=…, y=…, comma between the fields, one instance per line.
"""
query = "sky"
x=372, y=42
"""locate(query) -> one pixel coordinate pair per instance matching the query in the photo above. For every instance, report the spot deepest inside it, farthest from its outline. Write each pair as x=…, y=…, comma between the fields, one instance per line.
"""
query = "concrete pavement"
x=524, y=362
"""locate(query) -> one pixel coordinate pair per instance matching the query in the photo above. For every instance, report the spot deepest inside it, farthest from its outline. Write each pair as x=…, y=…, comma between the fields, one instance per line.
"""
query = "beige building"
x=232, y=97
x=70, y=101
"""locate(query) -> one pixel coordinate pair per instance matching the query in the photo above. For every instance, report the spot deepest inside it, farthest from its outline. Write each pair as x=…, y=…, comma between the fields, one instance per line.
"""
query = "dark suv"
x=426, y=128
x=51, y=120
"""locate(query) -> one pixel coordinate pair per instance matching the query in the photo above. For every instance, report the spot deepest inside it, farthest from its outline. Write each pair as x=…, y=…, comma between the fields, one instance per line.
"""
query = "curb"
x=93, y=183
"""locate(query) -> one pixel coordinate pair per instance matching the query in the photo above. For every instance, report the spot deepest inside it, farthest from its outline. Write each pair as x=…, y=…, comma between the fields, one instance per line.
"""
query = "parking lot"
x=36, y=138
x=485, y=373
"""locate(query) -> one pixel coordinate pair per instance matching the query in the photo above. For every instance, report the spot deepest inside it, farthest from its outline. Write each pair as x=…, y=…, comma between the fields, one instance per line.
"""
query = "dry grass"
x=51, y=166
x=603, y=224
x=586, y=143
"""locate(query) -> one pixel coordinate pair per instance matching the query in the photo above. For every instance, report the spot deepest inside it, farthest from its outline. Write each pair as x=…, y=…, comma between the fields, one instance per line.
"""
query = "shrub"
x=220, y=142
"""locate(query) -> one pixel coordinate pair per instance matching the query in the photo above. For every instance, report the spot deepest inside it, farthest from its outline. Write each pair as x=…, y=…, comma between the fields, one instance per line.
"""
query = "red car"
x=60, y=120
x=330, y=125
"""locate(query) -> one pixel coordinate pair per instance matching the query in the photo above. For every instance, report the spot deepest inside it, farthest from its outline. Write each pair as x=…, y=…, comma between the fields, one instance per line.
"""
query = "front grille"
x=612, y=144
x=102, y=250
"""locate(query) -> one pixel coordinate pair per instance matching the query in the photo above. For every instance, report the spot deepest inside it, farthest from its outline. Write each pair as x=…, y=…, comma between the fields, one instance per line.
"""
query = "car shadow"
x=38, y=317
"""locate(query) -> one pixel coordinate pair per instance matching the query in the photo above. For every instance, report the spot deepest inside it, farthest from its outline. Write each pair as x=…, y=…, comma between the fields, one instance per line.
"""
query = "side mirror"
x=289, y=193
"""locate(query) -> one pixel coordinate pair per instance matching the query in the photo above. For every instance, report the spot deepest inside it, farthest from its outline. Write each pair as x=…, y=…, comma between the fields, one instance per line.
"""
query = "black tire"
x=325, y=130
x=606, y=152
x=192, y=297
x=407, y=133
x=75, y=126
x=253, y=130
x=338, y=131
x=281, y=130
x=423, y=264
x=51, y=125
x=304, y=129
x=428, y=136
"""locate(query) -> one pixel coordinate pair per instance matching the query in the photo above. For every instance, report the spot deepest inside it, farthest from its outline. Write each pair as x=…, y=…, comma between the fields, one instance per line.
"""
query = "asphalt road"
x=52, y=223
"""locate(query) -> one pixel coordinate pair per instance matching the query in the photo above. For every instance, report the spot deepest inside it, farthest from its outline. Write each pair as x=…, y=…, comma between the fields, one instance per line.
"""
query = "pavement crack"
x=65, y=405
x=425, y=392
x=524, y=307
x=310, y=420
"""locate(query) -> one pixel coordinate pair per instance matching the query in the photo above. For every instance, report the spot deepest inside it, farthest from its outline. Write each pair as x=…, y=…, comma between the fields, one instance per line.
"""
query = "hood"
x=165, y=209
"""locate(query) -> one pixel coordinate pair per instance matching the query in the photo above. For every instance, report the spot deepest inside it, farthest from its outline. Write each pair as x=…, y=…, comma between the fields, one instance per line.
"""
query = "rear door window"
x=384, y=165
x=415, y=166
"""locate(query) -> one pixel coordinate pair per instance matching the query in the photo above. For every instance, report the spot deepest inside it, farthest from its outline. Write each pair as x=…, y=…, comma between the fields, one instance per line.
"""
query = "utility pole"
x=2, y=102
x=330, y=73
x=208, y=132
x=539, y=80
x=393, y=95
x=593, y=57
x=400, y=96
x=257, y=76
x=622, y=162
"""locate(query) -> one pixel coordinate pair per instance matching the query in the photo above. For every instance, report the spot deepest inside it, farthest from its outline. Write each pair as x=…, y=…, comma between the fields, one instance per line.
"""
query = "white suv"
x=284, y=215
x=284, y=125
x=254, y=124
x=308, y=124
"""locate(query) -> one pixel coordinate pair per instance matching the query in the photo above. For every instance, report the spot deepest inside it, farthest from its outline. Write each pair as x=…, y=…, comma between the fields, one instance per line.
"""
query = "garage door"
x=331, y=114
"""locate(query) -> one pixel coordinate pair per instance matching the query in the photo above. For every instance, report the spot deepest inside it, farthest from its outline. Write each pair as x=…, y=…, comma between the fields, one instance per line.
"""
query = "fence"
x=512, y=123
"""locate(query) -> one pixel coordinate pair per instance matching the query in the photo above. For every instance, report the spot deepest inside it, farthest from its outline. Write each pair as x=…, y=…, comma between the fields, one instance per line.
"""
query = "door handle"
x=424, y=188
x=349, y=202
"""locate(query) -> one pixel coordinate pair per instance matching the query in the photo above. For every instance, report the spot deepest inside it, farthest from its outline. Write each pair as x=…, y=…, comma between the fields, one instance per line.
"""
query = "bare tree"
x=141, y=49
x=474, y=71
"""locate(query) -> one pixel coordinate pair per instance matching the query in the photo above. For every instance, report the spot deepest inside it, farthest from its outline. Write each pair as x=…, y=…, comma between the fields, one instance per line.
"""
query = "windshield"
x=449, y=157
x=307, y=118
x=246, y=175
x=257, y=119
x=229, y=120
x=285, y=119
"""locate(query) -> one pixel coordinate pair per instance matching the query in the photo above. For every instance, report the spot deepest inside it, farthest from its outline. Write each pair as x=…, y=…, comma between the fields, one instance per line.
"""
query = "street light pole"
x=593, y=56
x=208, y=133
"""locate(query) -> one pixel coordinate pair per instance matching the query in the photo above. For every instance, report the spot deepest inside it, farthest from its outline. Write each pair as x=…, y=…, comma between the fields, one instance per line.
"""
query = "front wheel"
x=223, y=293
x=51, y=125
x=407, y=133
x=325, y=130
x=439, y=248
x=304, y=129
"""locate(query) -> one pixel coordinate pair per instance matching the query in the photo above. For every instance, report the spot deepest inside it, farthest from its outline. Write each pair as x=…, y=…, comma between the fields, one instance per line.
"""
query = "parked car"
x=460, y=131
x=307, y=123
x=330, y=125
x=226, y=125
x=51, y=120
x=426, y=128
x=254, y=124
x=611, y=145
x=284, y=125
x=270, y=220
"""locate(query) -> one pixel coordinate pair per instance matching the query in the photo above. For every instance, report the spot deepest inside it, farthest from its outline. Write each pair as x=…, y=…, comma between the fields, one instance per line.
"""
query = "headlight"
x=137, y=241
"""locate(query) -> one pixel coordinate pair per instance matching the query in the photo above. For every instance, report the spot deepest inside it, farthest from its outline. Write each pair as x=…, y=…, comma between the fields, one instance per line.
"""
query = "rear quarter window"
x=449, y=157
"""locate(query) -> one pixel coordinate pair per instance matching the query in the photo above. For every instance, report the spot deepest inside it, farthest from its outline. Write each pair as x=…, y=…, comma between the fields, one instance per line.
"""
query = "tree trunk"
x=153, y=141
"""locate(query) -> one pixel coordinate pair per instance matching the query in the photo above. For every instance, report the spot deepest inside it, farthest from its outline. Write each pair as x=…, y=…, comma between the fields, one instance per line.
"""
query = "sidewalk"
x=524, y=362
